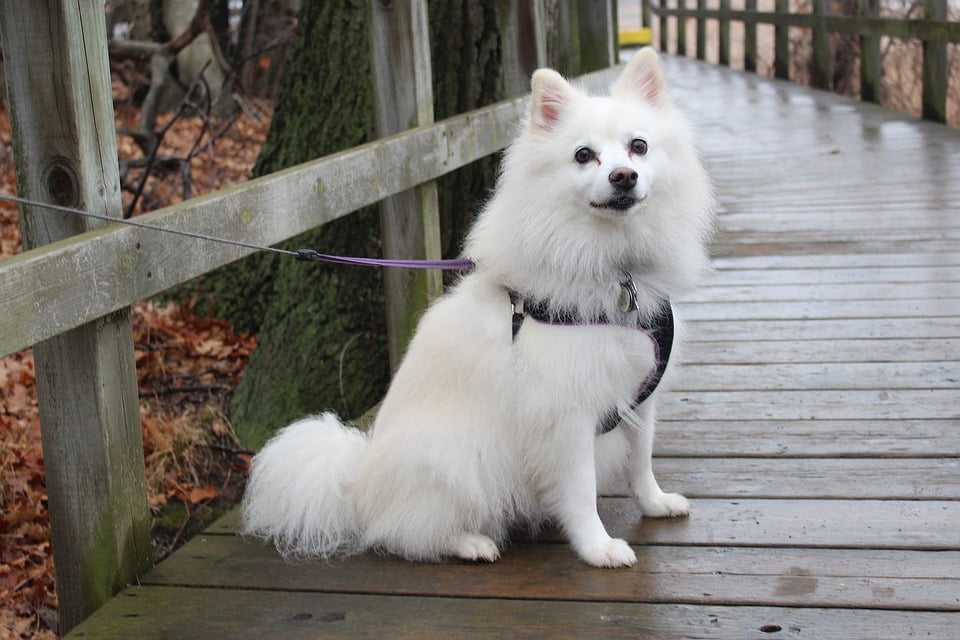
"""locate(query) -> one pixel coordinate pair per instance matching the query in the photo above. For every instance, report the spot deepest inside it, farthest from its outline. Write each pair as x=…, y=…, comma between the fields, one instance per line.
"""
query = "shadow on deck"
x=816, y=426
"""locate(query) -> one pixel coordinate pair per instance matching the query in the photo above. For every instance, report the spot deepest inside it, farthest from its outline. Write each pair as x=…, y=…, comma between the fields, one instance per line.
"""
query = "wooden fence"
x=69, y=294
x=933, y=30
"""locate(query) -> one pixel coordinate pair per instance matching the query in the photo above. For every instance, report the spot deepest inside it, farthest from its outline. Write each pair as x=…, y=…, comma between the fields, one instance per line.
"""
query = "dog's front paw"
x=609, y=553
x=475, y=547
x=664, y=505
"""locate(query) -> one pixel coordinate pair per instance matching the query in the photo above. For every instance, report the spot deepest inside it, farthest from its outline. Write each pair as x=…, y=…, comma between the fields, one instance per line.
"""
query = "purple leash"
x=457, y=264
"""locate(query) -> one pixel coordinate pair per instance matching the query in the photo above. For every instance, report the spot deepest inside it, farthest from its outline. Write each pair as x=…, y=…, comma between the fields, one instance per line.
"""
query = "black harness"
x=660, y=328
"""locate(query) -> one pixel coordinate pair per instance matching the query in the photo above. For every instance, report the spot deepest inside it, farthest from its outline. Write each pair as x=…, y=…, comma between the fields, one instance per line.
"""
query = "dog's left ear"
x=643, y=79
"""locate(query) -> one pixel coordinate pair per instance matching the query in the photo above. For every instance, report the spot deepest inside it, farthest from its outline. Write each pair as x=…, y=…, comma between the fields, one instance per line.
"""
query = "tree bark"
x=321, y=342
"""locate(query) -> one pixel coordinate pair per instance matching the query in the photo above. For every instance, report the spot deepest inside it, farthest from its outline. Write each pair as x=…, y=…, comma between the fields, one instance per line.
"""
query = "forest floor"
x=187, y=367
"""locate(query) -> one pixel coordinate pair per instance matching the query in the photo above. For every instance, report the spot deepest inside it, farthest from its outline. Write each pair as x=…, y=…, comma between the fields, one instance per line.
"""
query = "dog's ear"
x=643, y=79
x=550, y=97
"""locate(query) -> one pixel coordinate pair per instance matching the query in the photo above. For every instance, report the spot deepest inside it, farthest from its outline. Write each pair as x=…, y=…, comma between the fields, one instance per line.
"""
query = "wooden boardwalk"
x=816, y=427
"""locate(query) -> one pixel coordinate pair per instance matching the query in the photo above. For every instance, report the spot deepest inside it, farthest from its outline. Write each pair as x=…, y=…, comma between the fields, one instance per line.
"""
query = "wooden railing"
x=933, y=30
x=69, y=295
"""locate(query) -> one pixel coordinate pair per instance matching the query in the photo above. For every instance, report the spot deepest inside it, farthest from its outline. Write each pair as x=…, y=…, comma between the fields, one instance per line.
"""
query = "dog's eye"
x=584, y=155
x=639, y=146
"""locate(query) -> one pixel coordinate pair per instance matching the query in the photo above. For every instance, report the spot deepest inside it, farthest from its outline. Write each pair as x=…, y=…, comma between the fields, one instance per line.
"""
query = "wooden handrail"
x=62, y=285
x=933, y=30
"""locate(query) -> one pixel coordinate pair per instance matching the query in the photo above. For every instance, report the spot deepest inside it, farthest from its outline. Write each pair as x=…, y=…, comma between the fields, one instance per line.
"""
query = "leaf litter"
x=187, y=366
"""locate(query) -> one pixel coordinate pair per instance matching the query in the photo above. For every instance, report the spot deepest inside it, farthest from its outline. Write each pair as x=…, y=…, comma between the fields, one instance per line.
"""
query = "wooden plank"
x=814, y=376
x=809, y=523
x=840, y=261
x=877, y=275
x=805, y=438
x=914, y=218
x=880, y=404
x=761, y=243
x=824, y=309
x=410, y=220
x=295, y=615
x=818, y=478
x=827, y=329
x=786, y=350
x=57, y=72
x=868, y=292
x=101, y=271
x=889, y=579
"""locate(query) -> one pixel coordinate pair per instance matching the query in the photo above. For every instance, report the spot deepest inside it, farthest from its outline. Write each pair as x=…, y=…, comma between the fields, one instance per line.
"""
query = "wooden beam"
x=519, y=45
x=723, y=56
x=781, y=43
x=871, y=64
x=57, y=70
x=409, y=221
x=821, y=64
x=935, y=66
x=701, y=26
x=598, y=34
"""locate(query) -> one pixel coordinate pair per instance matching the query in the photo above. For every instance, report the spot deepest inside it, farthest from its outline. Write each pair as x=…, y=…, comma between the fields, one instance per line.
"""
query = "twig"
x=168, y=391
x=234, y=450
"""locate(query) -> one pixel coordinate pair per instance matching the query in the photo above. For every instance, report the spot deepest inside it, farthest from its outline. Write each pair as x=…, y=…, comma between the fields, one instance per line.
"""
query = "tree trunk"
x=322, y=335
x=321, y=342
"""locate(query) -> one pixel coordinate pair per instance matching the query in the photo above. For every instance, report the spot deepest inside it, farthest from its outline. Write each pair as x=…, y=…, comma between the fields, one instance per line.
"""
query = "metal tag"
x=628, y=294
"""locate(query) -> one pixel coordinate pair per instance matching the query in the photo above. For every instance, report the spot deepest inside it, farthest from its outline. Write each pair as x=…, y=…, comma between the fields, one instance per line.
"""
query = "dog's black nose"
x=623, y=178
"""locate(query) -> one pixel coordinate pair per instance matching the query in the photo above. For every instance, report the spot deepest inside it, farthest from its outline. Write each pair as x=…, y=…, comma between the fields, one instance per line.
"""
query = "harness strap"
x=660, y=330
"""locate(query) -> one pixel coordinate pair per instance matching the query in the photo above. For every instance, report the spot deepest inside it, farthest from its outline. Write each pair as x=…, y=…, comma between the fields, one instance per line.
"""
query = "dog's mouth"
x=617, y=203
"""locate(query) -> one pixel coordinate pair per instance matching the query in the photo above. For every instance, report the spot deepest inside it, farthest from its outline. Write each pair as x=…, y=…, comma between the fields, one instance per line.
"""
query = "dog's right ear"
x=550, y=97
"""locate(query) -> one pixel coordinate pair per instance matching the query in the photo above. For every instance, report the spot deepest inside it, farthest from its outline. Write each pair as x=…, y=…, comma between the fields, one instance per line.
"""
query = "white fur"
x=481, y=431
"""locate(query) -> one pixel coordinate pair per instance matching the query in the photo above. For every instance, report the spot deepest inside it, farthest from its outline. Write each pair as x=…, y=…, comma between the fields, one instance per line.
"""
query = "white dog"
x=499, y=414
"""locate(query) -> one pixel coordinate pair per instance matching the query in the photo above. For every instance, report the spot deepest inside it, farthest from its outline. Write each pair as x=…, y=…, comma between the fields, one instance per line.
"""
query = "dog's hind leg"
x=653, y=501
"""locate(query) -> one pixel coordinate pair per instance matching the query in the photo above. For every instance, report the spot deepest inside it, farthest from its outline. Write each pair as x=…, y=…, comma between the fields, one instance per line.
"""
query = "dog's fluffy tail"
x=298, y=494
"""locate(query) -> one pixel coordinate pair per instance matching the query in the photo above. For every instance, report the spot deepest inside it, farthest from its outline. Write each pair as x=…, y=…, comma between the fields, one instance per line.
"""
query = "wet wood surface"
x=815, y=426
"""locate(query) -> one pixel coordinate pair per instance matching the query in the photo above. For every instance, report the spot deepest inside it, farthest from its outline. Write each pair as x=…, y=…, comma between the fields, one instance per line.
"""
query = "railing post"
x=58, y=84
x=723, y=57
x=822, y=62
x=871, y=66
x=701, y=24
x=682, y=30
x=598, y=37
x=409, y=221
x=519, y=36
x=750, y=39
x=781, y=44
x=664, y=22
x=935, y=67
